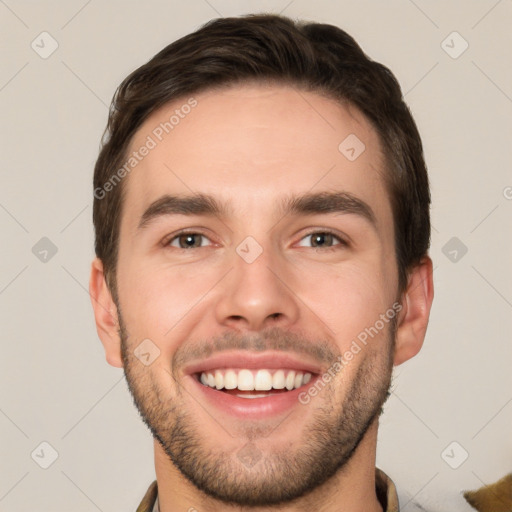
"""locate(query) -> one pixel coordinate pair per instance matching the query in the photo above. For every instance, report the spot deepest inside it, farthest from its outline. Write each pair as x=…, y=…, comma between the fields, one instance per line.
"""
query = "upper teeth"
x=259, y=380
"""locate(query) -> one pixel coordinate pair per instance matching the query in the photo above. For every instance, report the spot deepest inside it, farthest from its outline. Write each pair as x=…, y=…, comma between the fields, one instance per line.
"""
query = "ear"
x=413, y=318
x=105, y=314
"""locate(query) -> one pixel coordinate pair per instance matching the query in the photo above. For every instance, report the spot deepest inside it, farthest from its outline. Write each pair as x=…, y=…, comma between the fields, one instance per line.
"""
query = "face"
x=256, y=250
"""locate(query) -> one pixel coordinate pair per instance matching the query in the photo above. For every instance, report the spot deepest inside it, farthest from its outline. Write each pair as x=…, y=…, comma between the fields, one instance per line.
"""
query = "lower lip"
x=253, y=408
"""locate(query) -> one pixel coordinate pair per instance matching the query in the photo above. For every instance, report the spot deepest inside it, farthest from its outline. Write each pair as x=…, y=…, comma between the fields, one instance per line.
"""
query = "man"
x=262, y=232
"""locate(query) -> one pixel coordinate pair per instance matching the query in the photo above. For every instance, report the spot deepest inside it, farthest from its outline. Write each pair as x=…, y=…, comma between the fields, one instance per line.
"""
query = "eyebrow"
x=307, y=204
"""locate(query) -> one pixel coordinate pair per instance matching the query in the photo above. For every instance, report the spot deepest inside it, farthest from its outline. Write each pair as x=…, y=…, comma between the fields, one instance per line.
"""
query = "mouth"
x=248, y=383
x=252, y=386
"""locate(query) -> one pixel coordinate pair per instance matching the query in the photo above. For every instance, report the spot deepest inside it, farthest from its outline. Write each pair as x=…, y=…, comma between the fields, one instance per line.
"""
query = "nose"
x=257, y=294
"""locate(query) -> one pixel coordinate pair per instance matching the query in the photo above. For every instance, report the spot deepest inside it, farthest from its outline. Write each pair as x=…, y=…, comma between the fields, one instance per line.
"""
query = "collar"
x=384, y=487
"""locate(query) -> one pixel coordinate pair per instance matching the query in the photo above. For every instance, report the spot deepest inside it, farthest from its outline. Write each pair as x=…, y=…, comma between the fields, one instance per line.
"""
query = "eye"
x=188, y=241
x=322, y=239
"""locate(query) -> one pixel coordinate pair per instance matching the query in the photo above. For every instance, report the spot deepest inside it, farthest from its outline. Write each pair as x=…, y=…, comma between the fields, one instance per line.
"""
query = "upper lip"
x=250, y=360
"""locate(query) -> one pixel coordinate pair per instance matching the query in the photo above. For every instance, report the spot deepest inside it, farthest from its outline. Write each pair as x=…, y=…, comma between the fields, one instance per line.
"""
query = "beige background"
x=56, y=385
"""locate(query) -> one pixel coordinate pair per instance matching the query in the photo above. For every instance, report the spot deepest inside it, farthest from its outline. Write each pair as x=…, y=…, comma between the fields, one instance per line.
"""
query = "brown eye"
x=321, y=239
x=188, y=241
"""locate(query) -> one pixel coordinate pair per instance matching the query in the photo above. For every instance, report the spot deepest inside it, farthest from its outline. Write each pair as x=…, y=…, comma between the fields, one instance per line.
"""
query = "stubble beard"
x=282, y=475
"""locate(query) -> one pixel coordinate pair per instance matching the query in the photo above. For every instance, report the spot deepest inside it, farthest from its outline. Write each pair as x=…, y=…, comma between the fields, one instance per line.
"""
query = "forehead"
x=250, y=144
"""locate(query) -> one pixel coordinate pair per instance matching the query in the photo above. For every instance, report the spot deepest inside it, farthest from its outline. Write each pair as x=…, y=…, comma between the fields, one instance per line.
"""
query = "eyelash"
x=342, y=242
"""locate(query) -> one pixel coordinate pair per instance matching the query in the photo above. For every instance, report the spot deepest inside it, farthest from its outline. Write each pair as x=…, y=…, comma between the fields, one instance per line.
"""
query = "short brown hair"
x=269, y=48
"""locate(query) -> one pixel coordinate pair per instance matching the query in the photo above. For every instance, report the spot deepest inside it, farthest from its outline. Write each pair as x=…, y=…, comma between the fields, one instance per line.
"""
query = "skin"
x=249, y=146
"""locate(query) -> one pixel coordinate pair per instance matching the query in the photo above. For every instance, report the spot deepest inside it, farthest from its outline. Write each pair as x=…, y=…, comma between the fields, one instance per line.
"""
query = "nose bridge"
x=254, y=294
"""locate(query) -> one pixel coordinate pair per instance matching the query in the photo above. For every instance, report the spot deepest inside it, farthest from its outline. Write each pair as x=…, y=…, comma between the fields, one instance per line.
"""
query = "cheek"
x=347, y=298
x=160, y=302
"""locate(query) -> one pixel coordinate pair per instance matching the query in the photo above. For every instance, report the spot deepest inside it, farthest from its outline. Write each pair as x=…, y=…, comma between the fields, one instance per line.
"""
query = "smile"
x=252, y=386
x=244, y=380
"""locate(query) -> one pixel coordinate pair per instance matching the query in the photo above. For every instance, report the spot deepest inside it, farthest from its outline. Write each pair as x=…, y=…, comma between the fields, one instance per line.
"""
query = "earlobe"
x=413, y=319
x=105, y=314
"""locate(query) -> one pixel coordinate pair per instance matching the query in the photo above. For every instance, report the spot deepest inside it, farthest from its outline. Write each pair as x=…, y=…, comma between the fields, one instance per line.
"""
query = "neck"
x=352, y=489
